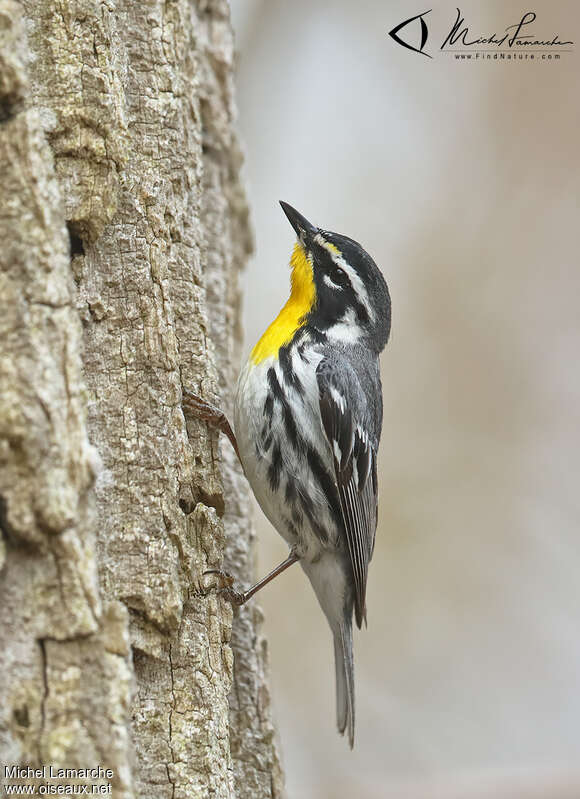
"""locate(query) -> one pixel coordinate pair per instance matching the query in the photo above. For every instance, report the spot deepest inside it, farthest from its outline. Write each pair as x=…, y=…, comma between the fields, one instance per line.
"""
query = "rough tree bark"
x=123, y=227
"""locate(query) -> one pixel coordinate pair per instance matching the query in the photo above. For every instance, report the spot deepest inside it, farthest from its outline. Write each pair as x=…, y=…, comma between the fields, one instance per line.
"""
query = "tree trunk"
x=123, y=228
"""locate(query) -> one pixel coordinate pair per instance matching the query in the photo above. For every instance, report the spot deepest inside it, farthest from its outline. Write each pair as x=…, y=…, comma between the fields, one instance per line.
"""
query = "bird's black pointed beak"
x=304, y=229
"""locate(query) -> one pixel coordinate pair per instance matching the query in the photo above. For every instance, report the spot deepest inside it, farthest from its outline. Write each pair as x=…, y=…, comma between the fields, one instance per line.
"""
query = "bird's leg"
x=196, y=407
x=240, y=598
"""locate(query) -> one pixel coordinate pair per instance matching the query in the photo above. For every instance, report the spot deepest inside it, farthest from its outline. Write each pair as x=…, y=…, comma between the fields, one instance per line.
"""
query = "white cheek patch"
x=346, y=329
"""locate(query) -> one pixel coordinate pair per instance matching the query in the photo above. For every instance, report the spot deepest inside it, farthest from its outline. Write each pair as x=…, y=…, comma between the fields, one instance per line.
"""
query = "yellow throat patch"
x=293, y=314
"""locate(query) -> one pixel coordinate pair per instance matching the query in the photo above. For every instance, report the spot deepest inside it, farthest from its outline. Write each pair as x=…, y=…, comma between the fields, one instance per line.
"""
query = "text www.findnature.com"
x=506, y=57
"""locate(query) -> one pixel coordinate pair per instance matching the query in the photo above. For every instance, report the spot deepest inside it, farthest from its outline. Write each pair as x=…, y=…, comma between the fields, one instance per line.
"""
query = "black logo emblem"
x=424, y=33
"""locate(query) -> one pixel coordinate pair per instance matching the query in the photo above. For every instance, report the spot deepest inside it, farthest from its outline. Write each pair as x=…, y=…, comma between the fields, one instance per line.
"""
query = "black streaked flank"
x=275, y=467
x=290, y=376
x=287, y=414
x=264, y=442
x=290, y=491
x=291, y=497
x=269, y=407
x=319, y=473
x=290, y=426
x=267, y=443
x=306, y=502
x=275, y=387
x=308, y=507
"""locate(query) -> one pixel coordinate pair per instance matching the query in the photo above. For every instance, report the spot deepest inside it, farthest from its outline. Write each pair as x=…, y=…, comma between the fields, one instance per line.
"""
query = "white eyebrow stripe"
x=355, y=281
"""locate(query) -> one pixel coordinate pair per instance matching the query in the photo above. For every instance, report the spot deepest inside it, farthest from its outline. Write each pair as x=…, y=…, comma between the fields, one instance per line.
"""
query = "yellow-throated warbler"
x=308, y=417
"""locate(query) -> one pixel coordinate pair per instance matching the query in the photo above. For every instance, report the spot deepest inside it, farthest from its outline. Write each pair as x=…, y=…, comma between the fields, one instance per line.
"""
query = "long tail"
x=344, y=665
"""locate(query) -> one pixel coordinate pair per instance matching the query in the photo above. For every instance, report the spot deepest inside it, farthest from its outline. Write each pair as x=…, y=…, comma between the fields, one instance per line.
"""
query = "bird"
x=307, y=424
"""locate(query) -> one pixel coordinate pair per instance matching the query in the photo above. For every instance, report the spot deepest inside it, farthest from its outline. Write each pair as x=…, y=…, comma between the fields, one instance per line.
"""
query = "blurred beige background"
x=461, y=179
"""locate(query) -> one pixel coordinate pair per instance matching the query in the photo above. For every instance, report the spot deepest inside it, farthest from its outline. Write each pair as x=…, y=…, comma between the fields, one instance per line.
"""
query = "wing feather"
x=354, y=455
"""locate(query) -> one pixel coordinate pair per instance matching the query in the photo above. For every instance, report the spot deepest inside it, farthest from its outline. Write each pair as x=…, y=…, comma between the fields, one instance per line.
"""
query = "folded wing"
x=351, y=431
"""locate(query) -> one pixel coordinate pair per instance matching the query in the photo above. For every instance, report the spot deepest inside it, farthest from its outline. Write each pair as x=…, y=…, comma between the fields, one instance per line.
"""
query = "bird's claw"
x=234, y=597
x=223, y=586
x=200, y=408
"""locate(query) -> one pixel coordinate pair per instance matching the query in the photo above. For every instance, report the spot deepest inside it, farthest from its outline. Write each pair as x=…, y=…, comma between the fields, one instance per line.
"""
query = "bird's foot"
x=196, y=407
x=199, y=408
x=223, y=583
x=233, y=597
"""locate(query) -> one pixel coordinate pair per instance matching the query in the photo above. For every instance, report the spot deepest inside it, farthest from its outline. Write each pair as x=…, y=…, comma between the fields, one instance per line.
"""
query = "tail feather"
x=344, y=666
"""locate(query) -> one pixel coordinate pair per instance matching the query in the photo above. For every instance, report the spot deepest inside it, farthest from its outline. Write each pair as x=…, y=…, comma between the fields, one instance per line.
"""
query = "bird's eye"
x=339, y=277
